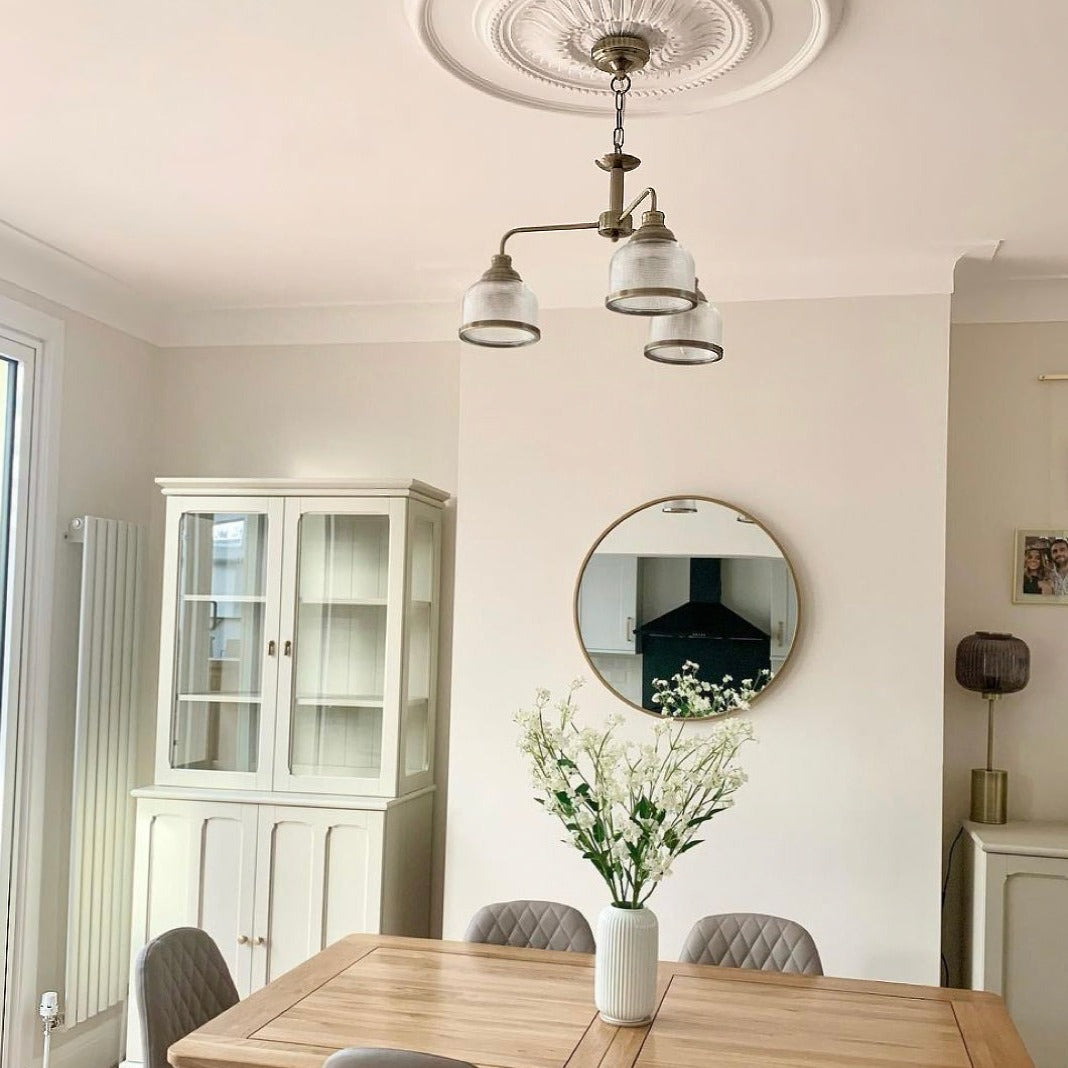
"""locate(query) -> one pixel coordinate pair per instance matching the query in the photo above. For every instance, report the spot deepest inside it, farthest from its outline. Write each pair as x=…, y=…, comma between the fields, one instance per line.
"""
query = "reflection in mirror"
x=687, y=607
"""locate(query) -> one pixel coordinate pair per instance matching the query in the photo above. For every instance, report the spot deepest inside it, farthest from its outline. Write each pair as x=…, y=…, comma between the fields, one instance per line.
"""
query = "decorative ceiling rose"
x=702, y=53
x=691, y=42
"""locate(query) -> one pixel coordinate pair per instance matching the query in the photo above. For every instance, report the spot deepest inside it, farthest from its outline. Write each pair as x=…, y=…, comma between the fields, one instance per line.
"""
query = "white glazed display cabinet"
x=293, y=792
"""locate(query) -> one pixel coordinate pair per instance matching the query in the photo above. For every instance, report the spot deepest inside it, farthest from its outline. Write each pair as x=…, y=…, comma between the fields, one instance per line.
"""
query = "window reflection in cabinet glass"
x=216, y=735
x=339, y=672
x=218, y=676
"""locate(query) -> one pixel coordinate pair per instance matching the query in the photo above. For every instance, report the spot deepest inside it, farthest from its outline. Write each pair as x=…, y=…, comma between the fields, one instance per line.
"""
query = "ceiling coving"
x=703, y=53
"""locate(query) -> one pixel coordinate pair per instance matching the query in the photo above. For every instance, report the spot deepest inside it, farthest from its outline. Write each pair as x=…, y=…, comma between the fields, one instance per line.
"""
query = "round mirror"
x=687, y=607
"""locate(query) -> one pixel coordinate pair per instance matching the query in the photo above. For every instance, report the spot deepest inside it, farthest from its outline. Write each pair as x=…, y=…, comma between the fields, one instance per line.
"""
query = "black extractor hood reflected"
x=705, y=632
x=703, y=615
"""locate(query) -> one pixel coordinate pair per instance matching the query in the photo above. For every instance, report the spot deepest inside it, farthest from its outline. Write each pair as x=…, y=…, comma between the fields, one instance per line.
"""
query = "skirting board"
x=93, y=1045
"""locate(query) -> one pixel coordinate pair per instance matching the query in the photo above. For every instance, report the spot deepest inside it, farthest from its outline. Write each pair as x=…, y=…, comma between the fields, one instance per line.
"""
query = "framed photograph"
x=1040, y=567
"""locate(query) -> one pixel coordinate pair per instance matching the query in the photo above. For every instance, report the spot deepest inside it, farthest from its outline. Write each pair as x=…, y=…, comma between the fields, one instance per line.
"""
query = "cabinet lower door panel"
x=319, y=877
x=194, y=867
x=1036, y=961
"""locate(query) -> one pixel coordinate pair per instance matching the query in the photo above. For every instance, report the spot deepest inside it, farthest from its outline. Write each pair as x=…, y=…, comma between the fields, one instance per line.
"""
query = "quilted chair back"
x=181, y=982
x=534, y=924
x=752, y=940
x=389, y=1058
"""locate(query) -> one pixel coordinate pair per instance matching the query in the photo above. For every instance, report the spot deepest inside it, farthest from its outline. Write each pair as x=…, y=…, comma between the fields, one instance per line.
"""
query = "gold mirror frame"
x=747, y=517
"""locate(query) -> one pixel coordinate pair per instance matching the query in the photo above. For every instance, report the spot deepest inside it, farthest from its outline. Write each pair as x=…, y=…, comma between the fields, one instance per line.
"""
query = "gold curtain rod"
x=1053, y=378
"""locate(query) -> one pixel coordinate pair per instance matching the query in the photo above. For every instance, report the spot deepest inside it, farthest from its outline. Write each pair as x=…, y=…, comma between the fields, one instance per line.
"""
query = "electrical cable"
x=945, y=888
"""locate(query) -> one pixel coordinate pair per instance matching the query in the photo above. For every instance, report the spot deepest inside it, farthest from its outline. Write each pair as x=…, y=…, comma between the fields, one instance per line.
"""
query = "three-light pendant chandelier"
x=652, y=274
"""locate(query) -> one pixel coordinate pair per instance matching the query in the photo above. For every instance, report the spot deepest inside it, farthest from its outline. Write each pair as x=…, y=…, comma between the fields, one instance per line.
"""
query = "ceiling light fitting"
x=652, y=274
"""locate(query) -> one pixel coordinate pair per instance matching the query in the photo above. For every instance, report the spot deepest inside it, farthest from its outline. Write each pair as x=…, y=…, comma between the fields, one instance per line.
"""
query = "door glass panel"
x=420, y=616
x=222, y=598
x=339, y=672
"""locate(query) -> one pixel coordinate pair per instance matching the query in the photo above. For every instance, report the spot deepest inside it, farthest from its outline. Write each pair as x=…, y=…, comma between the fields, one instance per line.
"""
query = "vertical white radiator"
x=105, y=755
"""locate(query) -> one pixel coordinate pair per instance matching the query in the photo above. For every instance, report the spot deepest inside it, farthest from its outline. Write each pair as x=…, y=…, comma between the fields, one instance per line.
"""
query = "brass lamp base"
x=989, y=795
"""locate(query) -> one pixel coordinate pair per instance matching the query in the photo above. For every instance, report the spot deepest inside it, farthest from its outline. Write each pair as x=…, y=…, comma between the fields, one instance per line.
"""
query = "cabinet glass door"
x=218, y=676
x=417, y=730
x=339, y=667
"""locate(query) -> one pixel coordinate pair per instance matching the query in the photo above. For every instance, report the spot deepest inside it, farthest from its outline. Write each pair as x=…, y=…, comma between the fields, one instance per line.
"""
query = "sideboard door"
x=1026, y=952
x=195, y=867
x=319, y=877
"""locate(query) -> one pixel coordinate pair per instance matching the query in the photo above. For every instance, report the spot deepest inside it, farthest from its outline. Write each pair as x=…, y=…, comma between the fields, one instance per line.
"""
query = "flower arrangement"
x=686, y=696
x=630, y=808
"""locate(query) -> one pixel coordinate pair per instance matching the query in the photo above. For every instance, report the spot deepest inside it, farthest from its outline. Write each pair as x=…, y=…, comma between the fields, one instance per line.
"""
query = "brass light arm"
x=649, y=192
x=545, y=229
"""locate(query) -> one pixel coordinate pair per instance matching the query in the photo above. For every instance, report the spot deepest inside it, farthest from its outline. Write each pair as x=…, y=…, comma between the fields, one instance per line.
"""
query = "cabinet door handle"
x=629, y=629
x=242, y=940
x=780, y=632
x=272, y=647
x=259, y=941
x=288, y=648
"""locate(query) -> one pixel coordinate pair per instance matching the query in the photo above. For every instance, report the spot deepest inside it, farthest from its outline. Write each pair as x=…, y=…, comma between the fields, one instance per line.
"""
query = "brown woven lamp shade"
x=993, y=663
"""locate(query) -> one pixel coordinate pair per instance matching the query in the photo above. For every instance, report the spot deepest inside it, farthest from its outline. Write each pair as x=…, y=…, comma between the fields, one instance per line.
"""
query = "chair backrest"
x=752, y=940
x=181, y=982
x=389, y=1058
x=534, y=924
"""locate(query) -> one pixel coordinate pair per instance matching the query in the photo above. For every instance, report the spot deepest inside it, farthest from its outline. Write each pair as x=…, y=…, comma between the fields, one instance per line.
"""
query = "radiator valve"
x=49, y=1010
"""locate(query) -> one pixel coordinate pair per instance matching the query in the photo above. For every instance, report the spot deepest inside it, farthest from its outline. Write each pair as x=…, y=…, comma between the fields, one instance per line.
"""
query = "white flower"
x=632, y=802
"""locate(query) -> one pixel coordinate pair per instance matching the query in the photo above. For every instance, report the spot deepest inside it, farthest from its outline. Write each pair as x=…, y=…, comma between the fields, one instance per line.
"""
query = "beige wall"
x=316, y=411
x=1008, y=468
x=827, y=420
x=105, y=468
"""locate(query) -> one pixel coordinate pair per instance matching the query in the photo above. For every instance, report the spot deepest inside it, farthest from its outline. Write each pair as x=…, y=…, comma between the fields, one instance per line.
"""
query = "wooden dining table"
x=503, y=1007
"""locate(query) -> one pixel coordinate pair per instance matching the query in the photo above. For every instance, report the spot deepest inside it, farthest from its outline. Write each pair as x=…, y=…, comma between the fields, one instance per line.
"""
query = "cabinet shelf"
x=222, y=698
x=341, y=771
x=225, y=598
x=334, y=700
x=345, y=602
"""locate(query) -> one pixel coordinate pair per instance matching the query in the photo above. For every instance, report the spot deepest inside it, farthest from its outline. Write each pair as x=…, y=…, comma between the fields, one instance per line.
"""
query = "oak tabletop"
x=502, y=1007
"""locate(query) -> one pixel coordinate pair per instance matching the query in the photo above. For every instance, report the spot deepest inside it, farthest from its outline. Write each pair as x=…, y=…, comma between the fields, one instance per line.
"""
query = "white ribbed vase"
x=624, y=987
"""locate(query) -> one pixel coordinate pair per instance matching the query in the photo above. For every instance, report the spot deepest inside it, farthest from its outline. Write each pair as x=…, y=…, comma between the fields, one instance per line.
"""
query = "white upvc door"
x=318, y=878
x=219, y=642
x=342, y=620
x=17, y=364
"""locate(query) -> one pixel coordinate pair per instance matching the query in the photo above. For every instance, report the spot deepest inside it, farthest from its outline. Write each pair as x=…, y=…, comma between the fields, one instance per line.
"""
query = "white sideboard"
x=1016, y=928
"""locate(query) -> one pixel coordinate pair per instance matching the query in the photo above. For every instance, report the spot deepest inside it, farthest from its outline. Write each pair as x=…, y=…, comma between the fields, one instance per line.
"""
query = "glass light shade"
x=500, y=313
x=652, y=274
x=680, y=506
x=694, y=336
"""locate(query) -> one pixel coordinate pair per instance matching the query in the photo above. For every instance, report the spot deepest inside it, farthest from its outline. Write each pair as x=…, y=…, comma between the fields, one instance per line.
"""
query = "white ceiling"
x=255, y=153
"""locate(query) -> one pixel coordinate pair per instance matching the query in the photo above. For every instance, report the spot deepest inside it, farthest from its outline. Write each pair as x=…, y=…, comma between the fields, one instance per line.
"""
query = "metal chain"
x=619, y=85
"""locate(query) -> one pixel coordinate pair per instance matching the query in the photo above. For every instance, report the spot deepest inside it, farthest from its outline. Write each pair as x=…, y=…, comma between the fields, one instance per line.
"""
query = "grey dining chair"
x=389, y=1058
x=181, y=982
x=752, y=940
x=534, y=924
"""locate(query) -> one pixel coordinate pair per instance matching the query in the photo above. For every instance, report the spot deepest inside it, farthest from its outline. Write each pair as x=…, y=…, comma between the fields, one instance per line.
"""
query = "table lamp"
x=991, y=664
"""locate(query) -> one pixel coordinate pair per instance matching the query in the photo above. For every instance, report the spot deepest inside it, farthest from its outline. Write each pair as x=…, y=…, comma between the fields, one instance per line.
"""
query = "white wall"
x=827, y=419
x=317, y=411
x=1008, y=468
x=105, y=468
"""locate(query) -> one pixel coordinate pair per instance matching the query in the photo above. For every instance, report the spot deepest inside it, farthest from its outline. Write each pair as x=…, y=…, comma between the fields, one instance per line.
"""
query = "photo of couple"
x=1041, y=566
